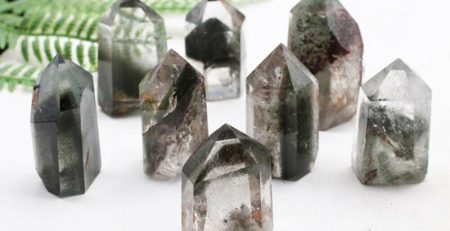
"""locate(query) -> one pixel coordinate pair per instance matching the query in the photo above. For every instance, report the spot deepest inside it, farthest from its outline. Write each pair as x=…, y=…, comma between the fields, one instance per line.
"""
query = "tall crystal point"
x=64, y=128
x=214, y=44
x=174, y=118
x=283, y=113
x=393, y=128
x=324, y=36
x=227, y=185
x=132, y=40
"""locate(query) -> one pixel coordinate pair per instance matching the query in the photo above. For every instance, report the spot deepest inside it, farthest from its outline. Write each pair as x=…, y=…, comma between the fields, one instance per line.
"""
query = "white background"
x=330, y=198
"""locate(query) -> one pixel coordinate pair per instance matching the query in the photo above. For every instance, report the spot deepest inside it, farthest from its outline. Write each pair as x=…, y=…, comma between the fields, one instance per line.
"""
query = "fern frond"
x=67, y=53
x=80, y=54
x=12, y=75
x=37, y=50
x=47, y=49
x=24, y=49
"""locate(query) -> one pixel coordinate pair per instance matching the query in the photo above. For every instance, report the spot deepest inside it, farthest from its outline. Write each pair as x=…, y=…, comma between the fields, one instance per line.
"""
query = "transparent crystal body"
x=215, y=46
x=393, y=130
x=283, y=113
x=324, y=37
x=174, y=116
x=132, y=41
x=64, y=128
x=227, y=185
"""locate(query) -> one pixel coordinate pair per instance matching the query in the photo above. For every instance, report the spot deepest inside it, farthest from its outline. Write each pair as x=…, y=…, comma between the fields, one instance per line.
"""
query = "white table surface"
x=330, y=198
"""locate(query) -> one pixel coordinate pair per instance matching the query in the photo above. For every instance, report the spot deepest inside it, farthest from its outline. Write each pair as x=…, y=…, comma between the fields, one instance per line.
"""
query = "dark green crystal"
x=64, y=128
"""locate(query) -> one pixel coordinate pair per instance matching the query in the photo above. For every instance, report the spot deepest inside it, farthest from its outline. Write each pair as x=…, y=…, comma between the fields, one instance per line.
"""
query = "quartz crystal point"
x=213, y=44
x=64, y=128
x=283, y=113
x=174, y=118
x=227, y=185
x=325, y=38
x=393, y=128
x=132, y=40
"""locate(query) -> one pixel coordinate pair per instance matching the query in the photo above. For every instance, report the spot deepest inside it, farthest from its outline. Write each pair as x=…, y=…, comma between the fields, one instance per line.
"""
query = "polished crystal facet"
x=324, y=36
x=213, y=44
x=393, y=128
x=283, y=113
x=64, y=128
x=174, y=119
x=227, y=185
x=132, y=40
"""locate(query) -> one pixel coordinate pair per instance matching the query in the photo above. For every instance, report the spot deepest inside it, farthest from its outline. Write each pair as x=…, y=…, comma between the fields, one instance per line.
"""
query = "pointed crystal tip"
x=58, y=59
x=278, y=65
x=397, y=81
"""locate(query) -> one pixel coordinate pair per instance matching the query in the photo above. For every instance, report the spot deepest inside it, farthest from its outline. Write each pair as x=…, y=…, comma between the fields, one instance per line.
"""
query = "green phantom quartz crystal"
x=174, y=116
x=283, y=113
x=227, y=185
x=64, y=128
x=132, y=40
x=325, y=37
x=214, y=45
x=393, y=131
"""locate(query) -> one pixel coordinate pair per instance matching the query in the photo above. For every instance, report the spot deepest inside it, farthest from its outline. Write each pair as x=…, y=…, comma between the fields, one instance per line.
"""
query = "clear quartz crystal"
x=214, y=45
x=64, y=128
x=132, y=41
x=227, y=185
x=325, y=37
x=393, y=128
x=174, y=117
x=283, y=113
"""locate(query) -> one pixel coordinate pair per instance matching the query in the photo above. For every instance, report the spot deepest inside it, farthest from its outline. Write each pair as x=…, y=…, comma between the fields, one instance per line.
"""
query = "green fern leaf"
x=37, y=49
x=80, y=54
x=92, y=55
x=2, y=84
x=16, y=70
x=82, y=26
x=47, y=49
x=3, y=39
x=59, y=24
x=48, y=22
x=36, y=18
x=24, y=49
x=58, y=47
x=68, y=49
x=92, y=28
x=12, y=85
x=29, y=73
x=71, y=26
x=6, y=68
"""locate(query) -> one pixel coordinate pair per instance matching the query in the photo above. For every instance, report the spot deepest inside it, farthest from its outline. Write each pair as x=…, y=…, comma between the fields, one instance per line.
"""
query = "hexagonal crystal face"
x=174, y=117
x=213, y=43
x=283, y=113
x=227, y=185
x=393, y=128
x=324, y=36
x=64, y=128
x=132, y=40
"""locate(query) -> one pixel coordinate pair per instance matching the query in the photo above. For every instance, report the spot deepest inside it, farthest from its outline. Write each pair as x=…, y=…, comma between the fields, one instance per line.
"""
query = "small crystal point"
x=213, y=43
x=174, y=116
x=283, y=113
x=132, y=41
x=325, y=37
x=64, y=128
x=393, y=128
x=227, y=184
